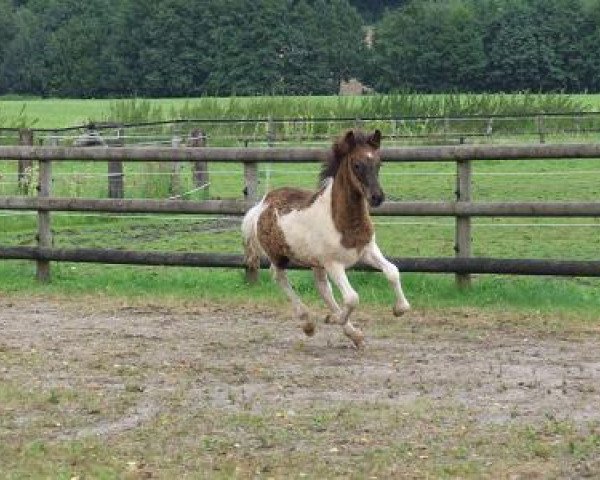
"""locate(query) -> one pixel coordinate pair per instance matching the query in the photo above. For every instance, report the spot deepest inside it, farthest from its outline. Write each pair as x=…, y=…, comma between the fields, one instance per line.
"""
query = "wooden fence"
x=463, y=209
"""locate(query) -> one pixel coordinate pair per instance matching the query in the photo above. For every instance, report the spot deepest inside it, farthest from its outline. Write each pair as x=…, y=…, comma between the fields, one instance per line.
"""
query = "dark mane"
x=339, y=151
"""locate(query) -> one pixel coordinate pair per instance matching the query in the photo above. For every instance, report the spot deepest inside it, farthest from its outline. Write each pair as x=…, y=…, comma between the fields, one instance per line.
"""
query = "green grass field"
x=509, y=238
x=59, y=113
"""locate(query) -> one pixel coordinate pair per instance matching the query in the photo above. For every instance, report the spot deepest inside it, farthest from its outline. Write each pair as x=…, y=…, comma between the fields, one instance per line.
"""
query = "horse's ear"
x=349, y=140
x=375, y=139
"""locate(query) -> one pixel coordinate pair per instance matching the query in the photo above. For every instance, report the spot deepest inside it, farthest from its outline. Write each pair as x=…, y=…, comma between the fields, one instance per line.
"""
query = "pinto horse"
x=328, y=230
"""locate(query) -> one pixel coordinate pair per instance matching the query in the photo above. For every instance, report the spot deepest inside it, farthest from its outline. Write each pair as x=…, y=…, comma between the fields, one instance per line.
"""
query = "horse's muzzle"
x=376, y=199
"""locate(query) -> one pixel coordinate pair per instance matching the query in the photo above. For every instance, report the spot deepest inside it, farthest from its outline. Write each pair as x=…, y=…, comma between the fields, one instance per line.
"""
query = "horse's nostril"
x=376, y=199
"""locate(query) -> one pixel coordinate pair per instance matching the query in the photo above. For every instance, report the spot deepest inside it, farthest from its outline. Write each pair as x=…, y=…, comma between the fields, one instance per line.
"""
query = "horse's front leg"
x=300, y=310
x=372, y=256
x=337, y=272
x=324, y=288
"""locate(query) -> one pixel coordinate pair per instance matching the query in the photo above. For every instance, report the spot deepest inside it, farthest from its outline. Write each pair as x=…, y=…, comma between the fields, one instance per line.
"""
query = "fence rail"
x=300, y=155
x=239, y=207
x=427, y=265
x=463, y=209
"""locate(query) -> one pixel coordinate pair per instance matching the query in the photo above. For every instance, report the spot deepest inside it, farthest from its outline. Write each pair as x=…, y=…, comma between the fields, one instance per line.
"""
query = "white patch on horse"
x=312, y=235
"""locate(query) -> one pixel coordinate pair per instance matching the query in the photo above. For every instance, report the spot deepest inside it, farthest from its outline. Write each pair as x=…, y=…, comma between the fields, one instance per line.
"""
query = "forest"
x=173, y=48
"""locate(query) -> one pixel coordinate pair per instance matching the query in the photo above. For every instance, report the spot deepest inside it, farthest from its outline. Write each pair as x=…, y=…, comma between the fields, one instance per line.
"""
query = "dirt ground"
x=117, y=368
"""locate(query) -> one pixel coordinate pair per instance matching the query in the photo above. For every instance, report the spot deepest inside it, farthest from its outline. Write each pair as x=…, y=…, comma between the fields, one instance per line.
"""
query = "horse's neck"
x=350, y=213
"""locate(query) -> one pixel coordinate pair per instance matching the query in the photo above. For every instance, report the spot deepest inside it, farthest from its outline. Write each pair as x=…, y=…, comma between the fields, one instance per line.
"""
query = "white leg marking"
x=337, y=273
x=300, y=309
x=372, y=256
x=324, y=288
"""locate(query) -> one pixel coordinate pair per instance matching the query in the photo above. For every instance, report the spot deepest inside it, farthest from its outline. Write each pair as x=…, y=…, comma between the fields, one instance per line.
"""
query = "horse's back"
x=286, y=199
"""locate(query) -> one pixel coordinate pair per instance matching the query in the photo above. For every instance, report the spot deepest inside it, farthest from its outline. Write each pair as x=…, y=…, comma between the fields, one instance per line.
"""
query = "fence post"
x=541, y=128
x=25, y=167
x=115, y=171
x=489, y=129
x=251, y=181
x=462, y=245
x=271, y=138
x=200, y=174
x=271, y=132
x=44, y=235
x=446, y=129
x=175, y=188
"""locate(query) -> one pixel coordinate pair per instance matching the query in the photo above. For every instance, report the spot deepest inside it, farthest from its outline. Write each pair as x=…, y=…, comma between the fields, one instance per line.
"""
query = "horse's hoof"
x=356, y=335
x=309, y=328
x=358, y=338
x=333, y=319
x=401, y=308
x=308, y=325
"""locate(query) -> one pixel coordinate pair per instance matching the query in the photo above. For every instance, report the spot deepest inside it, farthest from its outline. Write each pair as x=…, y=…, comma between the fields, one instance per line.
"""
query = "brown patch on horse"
x=270, y=235
x=349, y=205
x=287, y=199
x=350, y=214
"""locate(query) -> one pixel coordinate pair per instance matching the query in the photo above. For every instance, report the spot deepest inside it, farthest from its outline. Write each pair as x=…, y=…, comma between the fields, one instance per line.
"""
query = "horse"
x=328, y=230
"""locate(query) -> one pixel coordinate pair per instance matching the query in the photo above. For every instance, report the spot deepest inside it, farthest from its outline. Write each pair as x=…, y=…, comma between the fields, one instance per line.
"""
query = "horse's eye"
x=358, y=167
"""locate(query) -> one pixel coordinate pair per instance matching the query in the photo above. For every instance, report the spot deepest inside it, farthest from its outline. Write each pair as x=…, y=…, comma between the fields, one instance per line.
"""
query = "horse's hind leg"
x=373, y=256
x=300, y=309
x=324, y=288
x=338, y=274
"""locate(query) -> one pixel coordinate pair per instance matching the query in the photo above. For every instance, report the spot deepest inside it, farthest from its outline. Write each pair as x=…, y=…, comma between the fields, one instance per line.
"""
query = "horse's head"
x=362, y=164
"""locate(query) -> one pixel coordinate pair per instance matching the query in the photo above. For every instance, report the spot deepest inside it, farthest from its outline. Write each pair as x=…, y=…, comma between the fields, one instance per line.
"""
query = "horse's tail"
x=252, y=248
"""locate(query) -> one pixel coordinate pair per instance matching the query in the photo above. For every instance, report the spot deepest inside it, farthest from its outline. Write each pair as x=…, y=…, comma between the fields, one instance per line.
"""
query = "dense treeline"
x=178, y=47
x=489, y=45
x=242, y=47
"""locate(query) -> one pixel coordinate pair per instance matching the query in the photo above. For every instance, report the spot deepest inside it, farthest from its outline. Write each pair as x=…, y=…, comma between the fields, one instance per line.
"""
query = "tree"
x=292, y=47
x=428, y=46
x=23, y=68
x=587, y=54
x=536, y=45
x=165, y=47
x=81, y=52
x=7, y=27
x=248, y=44
x=342, y=41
